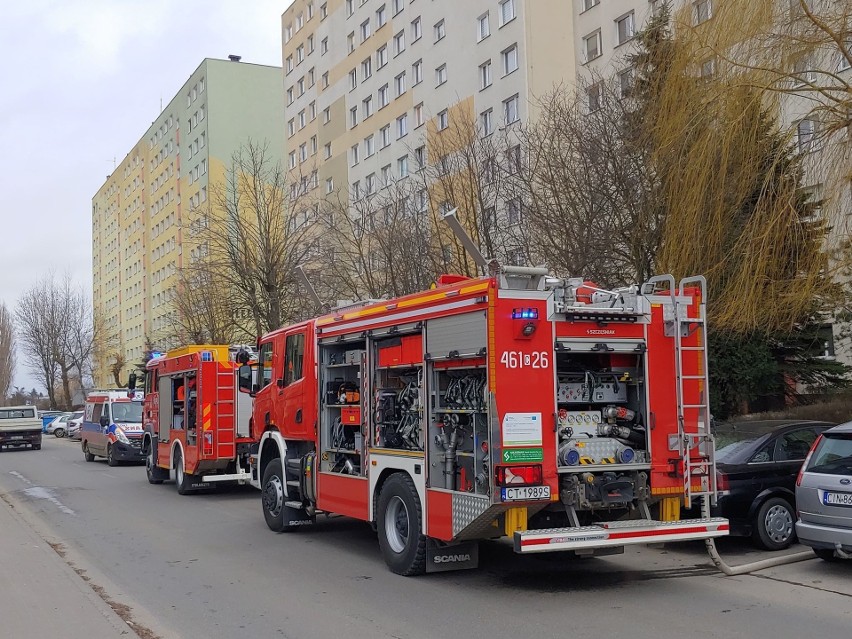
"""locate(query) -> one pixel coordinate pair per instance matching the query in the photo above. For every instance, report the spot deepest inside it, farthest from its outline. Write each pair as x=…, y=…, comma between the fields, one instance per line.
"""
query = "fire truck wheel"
x=183, y=480
x=151, y=469
x=400, y=520
x=273, y=497
x=774, y=525
x=89, y=457
x=111, y=460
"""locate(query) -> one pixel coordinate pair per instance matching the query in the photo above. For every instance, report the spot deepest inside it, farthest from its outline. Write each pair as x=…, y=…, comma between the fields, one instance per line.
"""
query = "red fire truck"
x=195, y=421
x=558, y=414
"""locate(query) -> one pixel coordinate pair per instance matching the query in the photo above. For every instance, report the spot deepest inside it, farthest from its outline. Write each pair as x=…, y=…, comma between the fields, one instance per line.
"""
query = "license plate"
x=836, y=499
x=525, y=493
x=16, y=437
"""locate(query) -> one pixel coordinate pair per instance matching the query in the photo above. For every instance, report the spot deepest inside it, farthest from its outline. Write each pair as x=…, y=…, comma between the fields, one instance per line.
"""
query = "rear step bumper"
x=238, y=477
x=619, y=533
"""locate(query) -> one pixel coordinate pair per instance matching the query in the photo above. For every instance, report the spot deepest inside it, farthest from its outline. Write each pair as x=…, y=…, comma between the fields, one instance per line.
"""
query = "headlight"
x=120, y=436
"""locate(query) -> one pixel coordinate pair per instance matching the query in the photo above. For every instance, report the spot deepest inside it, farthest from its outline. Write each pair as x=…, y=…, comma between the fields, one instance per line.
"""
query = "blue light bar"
x=525, y=313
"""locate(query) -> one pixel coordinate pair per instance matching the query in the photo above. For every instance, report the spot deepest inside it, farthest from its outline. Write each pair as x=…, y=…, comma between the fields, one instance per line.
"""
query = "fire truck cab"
x=549, y=411
x=195, y=422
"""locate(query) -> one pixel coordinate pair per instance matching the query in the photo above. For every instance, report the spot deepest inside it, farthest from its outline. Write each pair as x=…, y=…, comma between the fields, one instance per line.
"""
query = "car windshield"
x=734, y=449
x=127, y=412
x=833, y=456
x=76, y=415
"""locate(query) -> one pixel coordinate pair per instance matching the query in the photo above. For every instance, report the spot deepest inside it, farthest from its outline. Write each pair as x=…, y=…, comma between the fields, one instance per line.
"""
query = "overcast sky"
x=80, y=83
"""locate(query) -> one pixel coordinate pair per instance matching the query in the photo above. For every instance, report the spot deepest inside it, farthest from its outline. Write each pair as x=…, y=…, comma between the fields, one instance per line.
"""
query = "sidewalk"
x=41, y=595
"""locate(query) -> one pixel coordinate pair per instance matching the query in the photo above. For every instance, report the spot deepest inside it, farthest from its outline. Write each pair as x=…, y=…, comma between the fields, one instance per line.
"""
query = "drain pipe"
x=732, y=571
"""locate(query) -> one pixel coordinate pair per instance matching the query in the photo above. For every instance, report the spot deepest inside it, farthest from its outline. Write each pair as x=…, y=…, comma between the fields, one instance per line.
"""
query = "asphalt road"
x=205, y=565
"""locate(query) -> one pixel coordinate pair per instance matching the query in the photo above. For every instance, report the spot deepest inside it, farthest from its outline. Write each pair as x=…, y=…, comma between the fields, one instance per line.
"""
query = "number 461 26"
x=519, y=359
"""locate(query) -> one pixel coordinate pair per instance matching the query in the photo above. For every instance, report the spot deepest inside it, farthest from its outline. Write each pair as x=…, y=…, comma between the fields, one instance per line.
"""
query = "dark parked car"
x=757, y=464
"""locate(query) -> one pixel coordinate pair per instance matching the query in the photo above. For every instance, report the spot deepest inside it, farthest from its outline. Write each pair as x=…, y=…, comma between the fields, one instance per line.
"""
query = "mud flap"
x=444, y=558
x=297, y=517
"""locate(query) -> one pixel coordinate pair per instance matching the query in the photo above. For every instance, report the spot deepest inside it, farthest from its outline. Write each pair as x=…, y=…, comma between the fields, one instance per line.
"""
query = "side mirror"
x=244, y=377
x=104, y=421
x=131, y=382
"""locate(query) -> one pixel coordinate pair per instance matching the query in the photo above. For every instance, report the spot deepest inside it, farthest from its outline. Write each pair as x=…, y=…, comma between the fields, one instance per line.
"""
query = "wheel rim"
x=273, y=495
x=397, y=524
x=778, y=524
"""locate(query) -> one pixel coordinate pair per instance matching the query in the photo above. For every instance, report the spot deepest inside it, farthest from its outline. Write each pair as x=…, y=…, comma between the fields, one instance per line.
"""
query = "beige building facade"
x=145, y=215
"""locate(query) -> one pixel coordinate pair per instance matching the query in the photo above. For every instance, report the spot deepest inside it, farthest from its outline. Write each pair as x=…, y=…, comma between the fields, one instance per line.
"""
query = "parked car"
x=74, y=426
x=58, y=426
x=756, y=467
x=47, y=416
x=824, y=495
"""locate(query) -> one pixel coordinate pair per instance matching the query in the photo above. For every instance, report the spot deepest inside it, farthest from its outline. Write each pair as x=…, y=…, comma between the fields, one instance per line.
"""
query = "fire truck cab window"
x=295, y=354
x=265, y=364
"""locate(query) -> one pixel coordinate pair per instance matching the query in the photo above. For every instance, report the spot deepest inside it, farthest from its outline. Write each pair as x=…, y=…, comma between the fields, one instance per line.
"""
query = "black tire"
x=110, y=456
x=826, y=554
x=183, y=480
x=774, y=525
x=153, y=472
x=59, y=433
x=89, y=456
x=273, y=498
x=36, y=446
x=400, y=522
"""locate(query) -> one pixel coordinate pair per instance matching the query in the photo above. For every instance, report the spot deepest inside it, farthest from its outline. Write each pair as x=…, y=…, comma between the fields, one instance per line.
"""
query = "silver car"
x=824, y=495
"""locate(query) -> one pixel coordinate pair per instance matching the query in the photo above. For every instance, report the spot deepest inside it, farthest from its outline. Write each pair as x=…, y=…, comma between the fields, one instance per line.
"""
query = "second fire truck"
x=545, y=410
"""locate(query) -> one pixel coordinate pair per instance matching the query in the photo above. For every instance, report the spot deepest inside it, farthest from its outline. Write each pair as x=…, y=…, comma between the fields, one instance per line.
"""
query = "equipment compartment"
x=342, y=440
x=602, y=416
x=397, y=387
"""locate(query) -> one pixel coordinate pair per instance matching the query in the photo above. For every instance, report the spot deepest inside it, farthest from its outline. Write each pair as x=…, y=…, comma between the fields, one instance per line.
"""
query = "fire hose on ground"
x=744, y=569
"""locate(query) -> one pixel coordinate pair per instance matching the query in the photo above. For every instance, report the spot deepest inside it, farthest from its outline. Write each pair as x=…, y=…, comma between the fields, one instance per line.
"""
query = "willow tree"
x=731, y=186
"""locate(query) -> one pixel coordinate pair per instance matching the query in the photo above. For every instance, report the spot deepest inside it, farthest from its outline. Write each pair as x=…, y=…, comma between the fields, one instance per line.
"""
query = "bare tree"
x=240, y=279
x=7, y=351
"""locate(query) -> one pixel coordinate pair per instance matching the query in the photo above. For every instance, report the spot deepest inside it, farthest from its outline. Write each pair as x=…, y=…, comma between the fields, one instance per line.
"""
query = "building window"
x=353, y=116
x=384, y=98
x=418, y=115
x=381, y=57
x=323, y=11
x=300, y=54
x=486, y=121
x=592, y=45
x=365, y=30
x=588, y=4
x=398, y=5
x=625, y=28
x=625, y=82
x=292, y=159
x=291, y=127
x=443, y=120
x=327, y=150
x=386, y=174
x=416, y=29
x=441, y=74
x=353, y=79
x=325, y=80
x=302, y=119
x=510, y=59
x=402, y=166
x=381, y=17
x=329, y=185
x=440, y=31
x=420, y=157
x=708, y=68
x=289, y=63
x=367, y=104
x=350, y=42
x=507, y=11
x=303, y=152
x=310, y=44
x=593, y=96
x=370, y=184
x=354, y=155
x=417, y=72
x=399, y=43
x=356, y=189
x=399, y=83
x=369, y=146
x=485, y=75
x=323, y=46
x=326, y=115
x=513, y=211
x=402, y=126
x=511, y=111
x=805, y=135
x=350, y=7
x=483, y=27
x=290, y=96
x=385, y=136
x=703, y=10
x=513, y=159
x=312, y=111
x=366, y=68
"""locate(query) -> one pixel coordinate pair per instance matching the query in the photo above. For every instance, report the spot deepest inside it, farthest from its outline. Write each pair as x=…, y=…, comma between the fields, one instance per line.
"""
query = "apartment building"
x=144, y=214
x=370, y=83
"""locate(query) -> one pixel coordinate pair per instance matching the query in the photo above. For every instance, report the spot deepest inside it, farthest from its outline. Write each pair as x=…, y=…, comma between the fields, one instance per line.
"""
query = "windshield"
x=833, y=456
x=734, y=449
x=127, y=412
